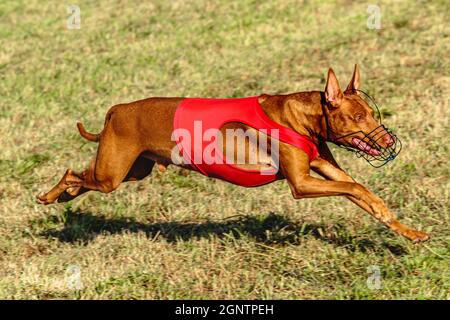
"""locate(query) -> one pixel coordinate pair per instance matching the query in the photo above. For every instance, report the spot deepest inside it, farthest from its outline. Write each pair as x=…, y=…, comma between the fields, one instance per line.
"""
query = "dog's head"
x=352, y=123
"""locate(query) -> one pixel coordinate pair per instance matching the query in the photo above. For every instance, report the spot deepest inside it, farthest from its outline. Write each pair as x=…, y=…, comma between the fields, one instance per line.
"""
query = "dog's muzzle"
x=368, y=147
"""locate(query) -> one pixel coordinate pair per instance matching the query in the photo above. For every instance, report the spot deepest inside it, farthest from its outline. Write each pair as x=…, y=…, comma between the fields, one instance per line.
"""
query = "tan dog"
x=137, y=135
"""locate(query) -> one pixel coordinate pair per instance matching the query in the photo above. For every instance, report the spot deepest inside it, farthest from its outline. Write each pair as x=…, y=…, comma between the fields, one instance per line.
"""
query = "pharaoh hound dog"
x=140, y=134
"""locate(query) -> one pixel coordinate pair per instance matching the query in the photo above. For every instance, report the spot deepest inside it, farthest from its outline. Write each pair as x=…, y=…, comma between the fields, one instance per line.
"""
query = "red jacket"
x=213, y=114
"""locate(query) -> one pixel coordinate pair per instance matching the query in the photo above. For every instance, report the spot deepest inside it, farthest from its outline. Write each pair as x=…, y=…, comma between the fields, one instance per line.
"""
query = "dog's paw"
x=416, y=236
x=42, y=199
x=411, y=234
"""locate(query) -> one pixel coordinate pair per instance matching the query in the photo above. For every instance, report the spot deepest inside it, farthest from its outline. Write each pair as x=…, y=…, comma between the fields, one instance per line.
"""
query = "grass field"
x=184, y=236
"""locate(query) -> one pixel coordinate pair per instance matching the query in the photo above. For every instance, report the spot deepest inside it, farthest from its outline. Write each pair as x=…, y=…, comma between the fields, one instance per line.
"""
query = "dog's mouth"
x=378, y=147
x=365, y=147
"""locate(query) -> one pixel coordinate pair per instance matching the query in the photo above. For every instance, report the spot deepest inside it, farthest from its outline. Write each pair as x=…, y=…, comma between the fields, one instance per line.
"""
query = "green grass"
x=184, y=236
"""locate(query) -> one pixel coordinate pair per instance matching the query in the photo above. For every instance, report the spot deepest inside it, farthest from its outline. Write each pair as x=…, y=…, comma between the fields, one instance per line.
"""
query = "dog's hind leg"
x=105, y=176
x=141, y=168
x=117, y=152
x=69, y=180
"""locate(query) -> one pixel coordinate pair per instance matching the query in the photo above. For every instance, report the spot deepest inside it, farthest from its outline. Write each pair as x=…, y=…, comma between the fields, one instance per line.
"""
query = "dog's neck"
x=303, y=112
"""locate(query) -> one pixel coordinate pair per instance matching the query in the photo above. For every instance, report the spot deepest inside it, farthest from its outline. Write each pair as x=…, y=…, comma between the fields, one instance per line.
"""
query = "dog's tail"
x=87, y=135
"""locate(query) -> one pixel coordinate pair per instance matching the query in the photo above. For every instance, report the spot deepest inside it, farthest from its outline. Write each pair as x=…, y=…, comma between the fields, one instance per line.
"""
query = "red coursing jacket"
x=213, y=114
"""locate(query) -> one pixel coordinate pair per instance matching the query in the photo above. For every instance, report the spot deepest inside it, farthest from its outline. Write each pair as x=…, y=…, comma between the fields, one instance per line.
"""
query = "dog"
x=138, y=135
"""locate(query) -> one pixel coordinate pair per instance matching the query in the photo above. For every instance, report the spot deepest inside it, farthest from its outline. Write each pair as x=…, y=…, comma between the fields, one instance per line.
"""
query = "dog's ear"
x=353, y=86
x=333, y=92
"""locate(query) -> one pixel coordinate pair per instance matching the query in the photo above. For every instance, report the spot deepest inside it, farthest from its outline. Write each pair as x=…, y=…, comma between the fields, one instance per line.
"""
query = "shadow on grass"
x=273, y=229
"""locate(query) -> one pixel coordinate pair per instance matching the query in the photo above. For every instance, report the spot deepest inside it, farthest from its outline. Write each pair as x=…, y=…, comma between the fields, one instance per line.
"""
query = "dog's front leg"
x=327, y=167
x=295, y=167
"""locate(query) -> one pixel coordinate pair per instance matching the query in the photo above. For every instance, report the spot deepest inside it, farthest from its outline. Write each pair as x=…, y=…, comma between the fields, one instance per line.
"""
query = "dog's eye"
x=359, y=117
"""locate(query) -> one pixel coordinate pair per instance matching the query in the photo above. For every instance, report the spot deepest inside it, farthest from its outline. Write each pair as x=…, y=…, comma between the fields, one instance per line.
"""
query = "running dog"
x=139, y=134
